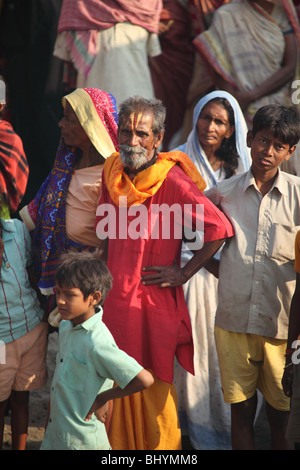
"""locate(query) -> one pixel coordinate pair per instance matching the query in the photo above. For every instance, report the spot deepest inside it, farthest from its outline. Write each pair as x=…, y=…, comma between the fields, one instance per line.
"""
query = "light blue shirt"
x=88, y=362
x=20, y=311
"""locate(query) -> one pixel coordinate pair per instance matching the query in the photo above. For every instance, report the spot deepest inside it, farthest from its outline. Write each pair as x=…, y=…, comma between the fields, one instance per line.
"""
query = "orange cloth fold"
x=146, y=420
x=147, y=182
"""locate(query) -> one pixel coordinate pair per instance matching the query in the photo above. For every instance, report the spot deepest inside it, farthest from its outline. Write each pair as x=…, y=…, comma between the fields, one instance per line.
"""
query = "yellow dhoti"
x=147, y=420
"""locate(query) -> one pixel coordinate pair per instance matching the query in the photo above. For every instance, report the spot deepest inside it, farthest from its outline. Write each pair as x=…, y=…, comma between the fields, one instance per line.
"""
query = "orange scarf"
x=148, y=181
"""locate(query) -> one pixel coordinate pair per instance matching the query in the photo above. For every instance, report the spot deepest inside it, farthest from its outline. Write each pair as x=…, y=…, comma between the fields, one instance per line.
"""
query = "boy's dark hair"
x=84, y=271
x=283, y=121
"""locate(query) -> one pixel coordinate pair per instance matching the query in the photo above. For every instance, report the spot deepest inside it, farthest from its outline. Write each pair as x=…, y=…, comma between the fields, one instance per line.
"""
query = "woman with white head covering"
x=217, y=146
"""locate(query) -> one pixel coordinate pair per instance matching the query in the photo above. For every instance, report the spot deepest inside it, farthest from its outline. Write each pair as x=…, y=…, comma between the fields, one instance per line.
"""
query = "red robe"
x=150, y=323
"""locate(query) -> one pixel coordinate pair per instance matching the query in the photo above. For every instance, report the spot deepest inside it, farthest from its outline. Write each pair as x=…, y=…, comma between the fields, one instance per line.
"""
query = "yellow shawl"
x=148, y=181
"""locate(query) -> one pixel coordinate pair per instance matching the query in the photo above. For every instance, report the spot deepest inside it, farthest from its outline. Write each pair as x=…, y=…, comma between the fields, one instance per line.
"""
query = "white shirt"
x=257, y=277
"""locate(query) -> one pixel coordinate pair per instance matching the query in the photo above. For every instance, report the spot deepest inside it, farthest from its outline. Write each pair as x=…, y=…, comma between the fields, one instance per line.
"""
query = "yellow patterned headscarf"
x=147, y=182
x=97, y=113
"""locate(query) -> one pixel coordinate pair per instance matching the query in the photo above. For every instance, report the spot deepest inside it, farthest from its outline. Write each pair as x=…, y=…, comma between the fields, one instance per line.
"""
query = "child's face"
x=267, y=151
x=72, y=305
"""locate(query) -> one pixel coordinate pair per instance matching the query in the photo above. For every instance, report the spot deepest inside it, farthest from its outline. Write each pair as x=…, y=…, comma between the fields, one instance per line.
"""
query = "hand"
x=287, y=381
x=102, y=413
x=99, y=408
x=166, y=276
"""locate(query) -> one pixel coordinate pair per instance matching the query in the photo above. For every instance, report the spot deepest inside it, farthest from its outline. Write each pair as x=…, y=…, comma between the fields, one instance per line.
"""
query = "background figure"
x=72, y=189
x=108, y=42
x=34, y=81
x=257, y=61
x=172, y=70
x=14, y=169
x=219, y=128
x=201, y=14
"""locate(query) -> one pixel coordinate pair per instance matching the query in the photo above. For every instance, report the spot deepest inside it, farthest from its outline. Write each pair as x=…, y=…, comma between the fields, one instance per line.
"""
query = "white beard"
x=133, y=157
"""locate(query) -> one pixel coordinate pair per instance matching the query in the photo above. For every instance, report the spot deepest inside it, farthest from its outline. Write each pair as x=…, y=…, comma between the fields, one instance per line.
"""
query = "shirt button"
x=254, y=306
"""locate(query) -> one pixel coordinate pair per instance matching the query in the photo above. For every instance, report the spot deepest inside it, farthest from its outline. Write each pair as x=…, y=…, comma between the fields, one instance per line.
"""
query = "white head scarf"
x=194, y=150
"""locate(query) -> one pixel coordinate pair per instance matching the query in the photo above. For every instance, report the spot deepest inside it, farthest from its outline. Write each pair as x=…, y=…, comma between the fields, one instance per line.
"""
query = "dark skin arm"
x=271, y=84
x=34, y=284
x=142, y=380
x=294, y=332
x=213, y=266
x=174, y=275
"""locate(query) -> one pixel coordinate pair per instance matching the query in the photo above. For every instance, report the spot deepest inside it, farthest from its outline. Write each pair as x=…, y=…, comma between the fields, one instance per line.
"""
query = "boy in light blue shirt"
x=23, y=333
x=88, y=361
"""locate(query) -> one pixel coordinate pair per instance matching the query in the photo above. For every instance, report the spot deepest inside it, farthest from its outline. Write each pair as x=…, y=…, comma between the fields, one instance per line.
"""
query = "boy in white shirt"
x=256, y=276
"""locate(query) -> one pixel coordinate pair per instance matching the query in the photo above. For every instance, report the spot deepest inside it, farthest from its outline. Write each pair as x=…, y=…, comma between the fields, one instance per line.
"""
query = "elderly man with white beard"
x=145, y=310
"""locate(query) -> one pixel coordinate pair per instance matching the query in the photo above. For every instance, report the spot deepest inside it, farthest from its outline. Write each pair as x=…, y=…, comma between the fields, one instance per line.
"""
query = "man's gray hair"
x=140, y=104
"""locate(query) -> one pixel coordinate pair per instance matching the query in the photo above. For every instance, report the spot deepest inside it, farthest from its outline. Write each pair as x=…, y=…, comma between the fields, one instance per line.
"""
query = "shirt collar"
x=92, y=321
x=280, y=182
x=8, y=229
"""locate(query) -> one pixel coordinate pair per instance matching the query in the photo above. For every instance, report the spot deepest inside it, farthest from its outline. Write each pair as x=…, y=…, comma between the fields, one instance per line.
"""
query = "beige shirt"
x=81, y=204
x=257, y=277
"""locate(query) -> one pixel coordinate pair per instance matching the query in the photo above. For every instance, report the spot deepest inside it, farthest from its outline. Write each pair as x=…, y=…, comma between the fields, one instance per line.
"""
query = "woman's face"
x=71, y=129
x=213, y=125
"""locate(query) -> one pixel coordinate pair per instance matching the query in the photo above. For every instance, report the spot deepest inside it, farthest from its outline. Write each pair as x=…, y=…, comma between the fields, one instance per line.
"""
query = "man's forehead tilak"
x=135, y=119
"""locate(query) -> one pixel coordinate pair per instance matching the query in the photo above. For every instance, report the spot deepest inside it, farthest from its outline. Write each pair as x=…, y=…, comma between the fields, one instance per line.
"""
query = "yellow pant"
x=249, y=362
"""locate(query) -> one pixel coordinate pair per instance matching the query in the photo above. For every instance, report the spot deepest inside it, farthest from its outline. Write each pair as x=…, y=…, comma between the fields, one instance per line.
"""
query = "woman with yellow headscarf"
x=62, y=215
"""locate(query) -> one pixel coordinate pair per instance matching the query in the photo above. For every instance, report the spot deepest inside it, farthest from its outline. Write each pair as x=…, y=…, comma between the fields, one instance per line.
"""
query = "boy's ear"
x=290, y=153
x=249, y=139
x=96, y=297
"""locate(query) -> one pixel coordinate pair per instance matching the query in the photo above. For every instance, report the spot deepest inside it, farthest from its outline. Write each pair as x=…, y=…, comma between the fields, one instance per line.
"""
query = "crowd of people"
x=164, y=244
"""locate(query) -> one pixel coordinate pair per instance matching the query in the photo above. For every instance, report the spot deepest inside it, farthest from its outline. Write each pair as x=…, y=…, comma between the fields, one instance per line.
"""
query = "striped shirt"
x=19, y=307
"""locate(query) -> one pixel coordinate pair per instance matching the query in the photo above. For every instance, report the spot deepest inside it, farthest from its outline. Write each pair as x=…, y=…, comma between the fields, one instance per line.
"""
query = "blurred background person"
x=251, y=51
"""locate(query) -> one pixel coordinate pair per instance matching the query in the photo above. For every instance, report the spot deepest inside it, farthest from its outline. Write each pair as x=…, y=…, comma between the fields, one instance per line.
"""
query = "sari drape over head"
x=46, y=214
x=193, y=148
